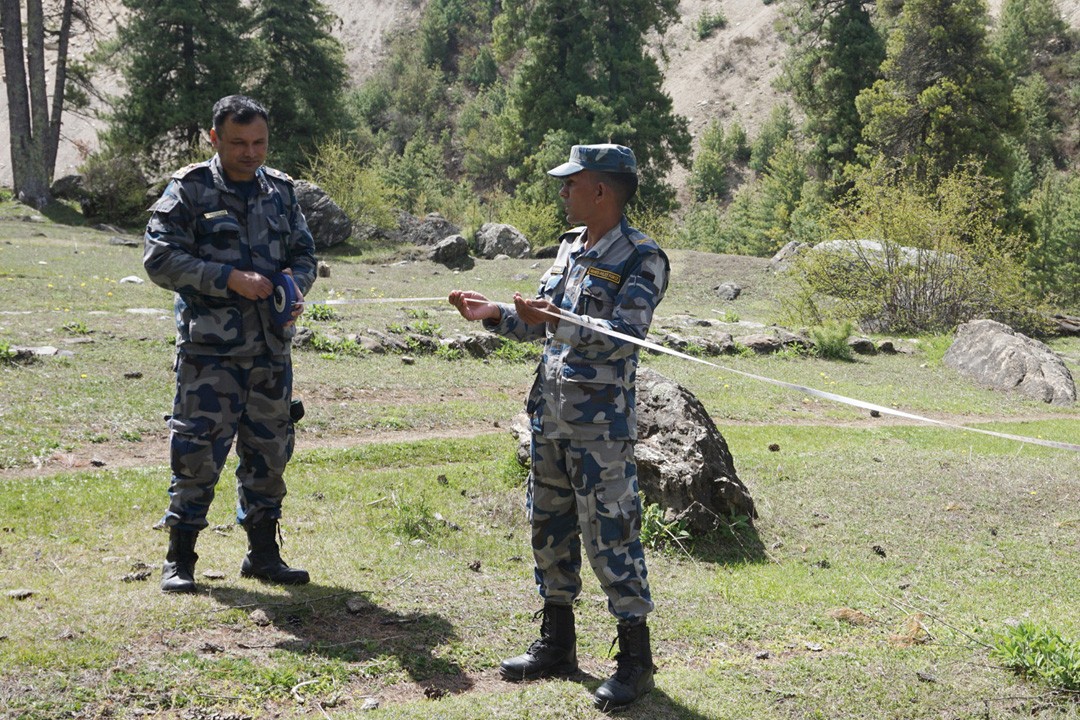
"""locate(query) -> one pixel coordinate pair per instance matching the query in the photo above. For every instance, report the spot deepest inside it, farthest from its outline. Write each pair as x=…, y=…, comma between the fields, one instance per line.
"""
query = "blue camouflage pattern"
x=606, y=157
x=200, y=230
x=586, y=493
x=218, y=399
x=233, y=364
x=584, y=388
x=583, y=488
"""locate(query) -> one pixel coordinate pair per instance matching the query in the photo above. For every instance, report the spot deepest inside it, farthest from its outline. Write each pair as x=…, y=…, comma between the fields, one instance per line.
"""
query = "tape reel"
x=283, y=301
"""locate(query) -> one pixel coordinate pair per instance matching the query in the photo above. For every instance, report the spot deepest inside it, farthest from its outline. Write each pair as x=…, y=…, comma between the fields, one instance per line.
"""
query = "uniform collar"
x=605, y=241
x=221, y=182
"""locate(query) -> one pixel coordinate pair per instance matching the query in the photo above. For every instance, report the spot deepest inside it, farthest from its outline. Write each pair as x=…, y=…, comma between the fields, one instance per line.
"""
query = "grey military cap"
x=603, y=158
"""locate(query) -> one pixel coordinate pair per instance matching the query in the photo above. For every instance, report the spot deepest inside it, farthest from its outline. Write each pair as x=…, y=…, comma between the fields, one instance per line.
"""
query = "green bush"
x=657, y=534
x=709, y=21
x=831, y=341
x=936, y=257
x=114, y=189
x=358, y=188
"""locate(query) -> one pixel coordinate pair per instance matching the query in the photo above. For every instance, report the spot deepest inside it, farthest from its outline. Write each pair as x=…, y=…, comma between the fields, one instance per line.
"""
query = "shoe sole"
x=558, y=671
x=606, y=706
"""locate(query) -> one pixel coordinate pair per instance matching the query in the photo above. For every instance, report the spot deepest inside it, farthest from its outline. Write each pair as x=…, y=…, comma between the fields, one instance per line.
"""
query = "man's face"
x=580, y=194
x=241, y=148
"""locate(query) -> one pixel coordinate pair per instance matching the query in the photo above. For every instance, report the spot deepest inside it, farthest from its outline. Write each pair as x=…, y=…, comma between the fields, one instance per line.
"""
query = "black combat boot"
x=178, y=573
x=555, y=653
x=634, y=675
x=264, y=560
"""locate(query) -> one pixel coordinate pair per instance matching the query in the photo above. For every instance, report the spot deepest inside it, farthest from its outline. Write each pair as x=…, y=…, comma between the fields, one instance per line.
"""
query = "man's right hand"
x=474, y=306
x=250, y=284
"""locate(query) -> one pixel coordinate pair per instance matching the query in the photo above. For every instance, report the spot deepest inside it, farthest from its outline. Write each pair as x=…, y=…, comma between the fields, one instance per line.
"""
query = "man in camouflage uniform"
x=221, y=229
x=583, y=487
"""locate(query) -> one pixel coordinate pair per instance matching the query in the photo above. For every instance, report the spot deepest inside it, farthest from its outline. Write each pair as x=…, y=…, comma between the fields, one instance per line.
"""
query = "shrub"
x=938, y=257
x=655, y=533
x=320, y=313
x=114, y=189
x=358, y=189
x=709, y=21
x=831, y=341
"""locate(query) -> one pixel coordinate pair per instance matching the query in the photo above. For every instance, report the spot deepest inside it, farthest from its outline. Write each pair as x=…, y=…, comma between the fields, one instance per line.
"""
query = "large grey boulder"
x=494, y=239
x=329, y=224
x=999, y=357
x=785, y=256
x=683, y=462
x=452, y=250
x=428, y=230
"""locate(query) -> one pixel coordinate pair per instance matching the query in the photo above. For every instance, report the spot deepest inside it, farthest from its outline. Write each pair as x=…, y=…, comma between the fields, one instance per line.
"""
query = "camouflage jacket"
x=584, y=389
x=200, y=230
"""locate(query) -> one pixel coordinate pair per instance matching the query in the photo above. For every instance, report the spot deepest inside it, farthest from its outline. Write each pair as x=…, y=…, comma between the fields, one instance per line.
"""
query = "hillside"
x=727, y=75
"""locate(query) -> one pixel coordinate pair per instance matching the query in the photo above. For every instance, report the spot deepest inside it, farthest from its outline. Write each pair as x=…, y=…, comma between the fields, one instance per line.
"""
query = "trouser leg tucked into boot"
x=263, y=559
x=555, y=653
x=634, y=675
x=178, y=572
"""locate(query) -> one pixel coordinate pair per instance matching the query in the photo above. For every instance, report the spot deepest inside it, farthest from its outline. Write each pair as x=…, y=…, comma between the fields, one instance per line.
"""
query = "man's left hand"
x=534, y=312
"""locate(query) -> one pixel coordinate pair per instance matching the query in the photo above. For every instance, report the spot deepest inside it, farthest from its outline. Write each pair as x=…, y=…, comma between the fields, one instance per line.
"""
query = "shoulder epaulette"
x=278, y=175
x=642, y=242
x=188, y=169
x=572, y=234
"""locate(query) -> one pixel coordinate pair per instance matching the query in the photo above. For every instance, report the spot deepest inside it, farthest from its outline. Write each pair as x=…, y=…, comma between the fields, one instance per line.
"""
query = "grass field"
x=886, y=559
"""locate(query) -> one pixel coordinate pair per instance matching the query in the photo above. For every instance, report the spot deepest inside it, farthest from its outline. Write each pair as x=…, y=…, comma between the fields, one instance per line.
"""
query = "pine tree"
x=837, y=52
x=585, y=74
x=178, y=58
x=944, y=97
x=300, y=76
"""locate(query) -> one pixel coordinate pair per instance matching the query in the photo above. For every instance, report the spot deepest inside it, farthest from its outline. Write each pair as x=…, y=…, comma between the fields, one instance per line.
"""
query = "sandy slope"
x=728, y=75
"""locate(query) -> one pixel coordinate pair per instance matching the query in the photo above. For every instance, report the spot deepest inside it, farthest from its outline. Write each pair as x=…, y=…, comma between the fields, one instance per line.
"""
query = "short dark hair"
x=240, y=108
x=623, y=184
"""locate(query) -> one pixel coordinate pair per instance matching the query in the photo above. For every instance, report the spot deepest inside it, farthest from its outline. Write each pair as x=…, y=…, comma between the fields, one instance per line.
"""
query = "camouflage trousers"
x=586, y=493
x=218, y=399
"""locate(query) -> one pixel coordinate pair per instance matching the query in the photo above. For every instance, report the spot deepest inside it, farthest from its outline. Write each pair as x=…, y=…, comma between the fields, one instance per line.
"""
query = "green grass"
x=404, y=491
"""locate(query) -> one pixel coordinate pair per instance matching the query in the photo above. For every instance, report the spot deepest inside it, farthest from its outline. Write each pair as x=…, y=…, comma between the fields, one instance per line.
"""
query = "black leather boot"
x=178, y=572
x=634, y=675
x=263, y=559
x=555, y=653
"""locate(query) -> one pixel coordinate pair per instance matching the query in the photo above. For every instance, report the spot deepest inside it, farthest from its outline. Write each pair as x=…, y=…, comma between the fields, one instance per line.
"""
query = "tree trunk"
x=27, y=151
x=53, y=141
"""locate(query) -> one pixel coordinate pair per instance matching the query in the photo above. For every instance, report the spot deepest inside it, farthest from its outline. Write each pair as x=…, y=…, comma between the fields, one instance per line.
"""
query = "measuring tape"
x=283, y=309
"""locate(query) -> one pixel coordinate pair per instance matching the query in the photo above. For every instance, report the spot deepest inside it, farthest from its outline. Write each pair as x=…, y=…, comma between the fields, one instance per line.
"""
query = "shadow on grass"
x=321, y=621
x=735, y=547
x=64, y=214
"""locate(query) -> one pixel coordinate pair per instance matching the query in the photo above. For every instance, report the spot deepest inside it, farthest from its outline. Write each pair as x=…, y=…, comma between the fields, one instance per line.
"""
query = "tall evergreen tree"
x=1026, y=26
x=943, y=97
x=178, y=58
x=585, y=74
x=837, y=52
x=300, y=76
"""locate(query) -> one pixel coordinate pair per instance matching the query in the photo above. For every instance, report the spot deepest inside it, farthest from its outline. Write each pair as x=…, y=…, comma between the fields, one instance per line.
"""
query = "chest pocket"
x=597, y=297
x=551, y=289
x=219, y=239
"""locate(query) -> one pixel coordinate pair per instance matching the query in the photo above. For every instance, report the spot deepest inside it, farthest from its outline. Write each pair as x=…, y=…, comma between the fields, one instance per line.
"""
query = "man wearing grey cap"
x=583, y=486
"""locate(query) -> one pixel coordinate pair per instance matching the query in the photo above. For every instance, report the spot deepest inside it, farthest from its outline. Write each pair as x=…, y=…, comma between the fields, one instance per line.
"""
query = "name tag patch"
x=605, y=274
x=216, y=214
x=557, y=270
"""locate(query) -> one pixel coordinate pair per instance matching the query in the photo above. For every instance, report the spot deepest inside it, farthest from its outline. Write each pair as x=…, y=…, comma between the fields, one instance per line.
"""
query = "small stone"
x=132, y=375
x=434, y=693
x=370, y=704
x=442, y=480
x=261, y=618
x=132, y=279
x=925, y=676
x=878, y=550
x=323, y=269
x=875, y=414
x=21, y=594
x=358, y=605
x=211, y=647
x=475, y=566
x=213, y=575
x=814, y=648
x=138, y=576
x=761, y=655
x=408, y=359
x=97, y=462
x=774, y=447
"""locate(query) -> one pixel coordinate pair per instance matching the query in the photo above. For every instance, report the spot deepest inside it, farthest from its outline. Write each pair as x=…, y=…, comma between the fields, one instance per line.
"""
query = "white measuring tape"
x=580, y=321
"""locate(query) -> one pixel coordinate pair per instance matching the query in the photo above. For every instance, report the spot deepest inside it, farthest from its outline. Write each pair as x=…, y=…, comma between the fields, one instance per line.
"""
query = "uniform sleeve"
x=170, y=253
x=632, y=314
x=301, y=247
x=510, y=325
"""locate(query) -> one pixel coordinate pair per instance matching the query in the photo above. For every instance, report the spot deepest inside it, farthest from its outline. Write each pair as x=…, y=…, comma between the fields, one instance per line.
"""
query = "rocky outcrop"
x=329, y=224
x=997, y=356
x=428, y=230
x=450, y=251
